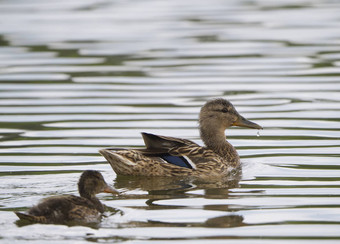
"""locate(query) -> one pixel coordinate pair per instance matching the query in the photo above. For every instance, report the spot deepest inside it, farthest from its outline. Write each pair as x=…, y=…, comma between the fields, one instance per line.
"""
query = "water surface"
x=77, y=76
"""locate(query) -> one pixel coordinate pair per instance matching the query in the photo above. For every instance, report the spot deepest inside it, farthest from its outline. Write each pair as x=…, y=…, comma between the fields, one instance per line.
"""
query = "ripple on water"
x=74, y=81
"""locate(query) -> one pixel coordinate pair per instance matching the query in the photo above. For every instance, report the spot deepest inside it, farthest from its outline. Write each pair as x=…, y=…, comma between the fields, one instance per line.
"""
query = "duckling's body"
x=66, y=209
x=63, y=209
x=169, y=156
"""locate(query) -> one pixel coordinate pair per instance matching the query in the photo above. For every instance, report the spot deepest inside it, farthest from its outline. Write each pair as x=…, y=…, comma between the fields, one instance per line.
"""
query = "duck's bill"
x=109, y=189
x=247, y=123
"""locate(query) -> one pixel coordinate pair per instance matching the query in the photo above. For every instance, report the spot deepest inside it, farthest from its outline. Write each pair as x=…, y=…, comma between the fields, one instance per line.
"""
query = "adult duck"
x=70, y=209
x=170, y=156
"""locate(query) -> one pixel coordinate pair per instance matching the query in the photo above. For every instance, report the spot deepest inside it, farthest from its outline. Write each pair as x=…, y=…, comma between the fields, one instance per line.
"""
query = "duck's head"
x=222, y=114
x=91, y=182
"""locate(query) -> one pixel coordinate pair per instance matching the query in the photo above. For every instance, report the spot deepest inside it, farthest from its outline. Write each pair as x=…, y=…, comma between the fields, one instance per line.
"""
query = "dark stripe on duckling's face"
x=176, y=160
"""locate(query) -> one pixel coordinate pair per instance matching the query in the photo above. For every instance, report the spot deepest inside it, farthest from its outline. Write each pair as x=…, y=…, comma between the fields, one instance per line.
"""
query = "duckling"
x=170, y=156
x=66, y=209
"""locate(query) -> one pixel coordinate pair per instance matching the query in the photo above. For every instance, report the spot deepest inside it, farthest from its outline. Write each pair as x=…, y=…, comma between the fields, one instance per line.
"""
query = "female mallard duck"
x=169, y=156
x=68, y=209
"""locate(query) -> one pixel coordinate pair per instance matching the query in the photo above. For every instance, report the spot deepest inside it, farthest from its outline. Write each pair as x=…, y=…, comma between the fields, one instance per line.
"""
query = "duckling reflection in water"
x=169, y=156
x=66, y=209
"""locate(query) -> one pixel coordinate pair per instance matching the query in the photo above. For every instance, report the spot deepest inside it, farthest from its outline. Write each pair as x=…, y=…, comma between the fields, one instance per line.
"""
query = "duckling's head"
x=91, y=182
x=221, y=114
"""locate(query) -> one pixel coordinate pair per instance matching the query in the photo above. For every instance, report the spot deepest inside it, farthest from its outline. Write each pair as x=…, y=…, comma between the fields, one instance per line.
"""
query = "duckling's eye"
x=224, y=110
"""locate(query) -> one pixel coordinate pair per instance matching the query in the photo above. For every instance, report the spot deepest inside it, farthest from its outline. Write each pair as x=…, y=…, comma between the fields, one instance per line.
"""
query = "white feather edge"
x=192, y=164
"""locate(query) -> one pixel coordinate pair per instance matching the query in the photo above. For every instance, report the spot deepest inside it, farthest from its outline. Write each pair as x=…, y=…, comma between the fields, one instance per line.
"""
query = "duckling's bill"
x=243, y=122
x=109, y=189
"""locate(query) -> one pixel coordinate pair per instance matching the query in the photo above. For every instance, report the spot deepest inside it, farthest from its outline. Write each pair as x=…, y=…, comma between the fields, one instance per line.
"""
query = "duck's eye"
x=224, y=110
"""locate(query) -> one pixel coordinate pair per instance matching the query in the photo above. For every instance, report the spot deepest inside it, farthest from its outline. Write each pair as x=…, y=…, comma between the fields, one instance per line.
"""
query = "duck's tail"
x=31, y=218
x=120, y=160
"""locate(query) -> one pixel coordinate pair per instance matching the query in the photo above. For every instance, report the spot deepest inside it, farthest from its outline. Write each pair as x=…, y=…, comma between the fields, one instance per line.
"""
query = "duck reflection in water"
x=159, y=189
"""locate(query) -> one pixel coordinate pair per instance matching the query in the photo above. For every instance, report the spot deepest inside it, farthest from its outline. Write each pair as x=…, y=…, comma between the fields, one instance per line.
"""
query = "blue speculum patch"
x=176, y=160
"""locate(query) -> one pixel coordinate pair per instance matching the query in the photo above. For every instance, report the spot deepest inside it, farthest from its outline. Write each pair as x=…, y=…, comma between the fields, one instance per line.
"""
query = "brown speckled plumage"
x=218, y=157
x=69, y=209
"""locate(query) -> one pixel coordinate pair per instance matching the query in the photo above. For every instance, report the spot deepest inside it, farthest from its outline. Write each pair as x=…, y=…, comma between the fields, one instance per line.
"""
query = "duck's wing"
x=166, y=143
x=163, y=156
x=171, y=150
x=156, y=144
